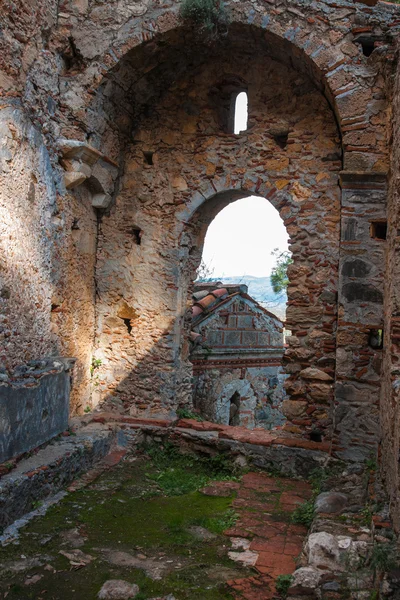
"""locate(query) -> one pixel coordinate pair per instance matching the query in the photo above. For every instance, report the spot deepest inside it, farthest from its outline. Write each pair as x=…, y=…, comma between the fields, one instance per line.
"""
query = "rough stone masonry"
x=116, y=153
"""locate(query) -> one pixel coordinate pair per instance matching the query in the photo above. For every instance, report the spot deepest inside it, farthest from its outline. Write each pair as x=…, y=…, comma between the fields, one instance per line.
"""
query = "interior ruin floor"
x=179, y=527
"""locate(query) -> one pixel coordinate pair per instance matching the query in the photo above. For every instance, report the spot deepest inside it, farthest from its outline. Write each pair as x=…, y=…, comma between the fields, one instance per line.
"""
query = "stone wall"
x=359, y=347
x=197, y=169
x=48, y=251
x=133, y=81
x=261, y=394
x=390, y=392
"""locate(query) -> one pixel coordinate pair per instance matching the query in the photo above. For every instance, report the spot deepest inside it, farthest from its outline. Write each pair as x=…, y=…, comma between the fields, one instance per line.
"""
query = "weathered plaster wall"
x=34, y=405
x=48, y=250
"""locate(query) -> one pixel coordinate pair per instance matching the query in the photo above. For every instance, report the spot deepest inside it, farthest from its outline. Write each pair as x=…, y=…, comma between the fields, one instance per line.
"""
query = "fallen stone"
x=73, y=538
x=201, y=533
x=32, y=580
x=306, y=581
x=330, y=502
x=323, y=552
x=248, y=558
x=240, y=543
x=118, y=589
x=331, y=586
x=154, y=569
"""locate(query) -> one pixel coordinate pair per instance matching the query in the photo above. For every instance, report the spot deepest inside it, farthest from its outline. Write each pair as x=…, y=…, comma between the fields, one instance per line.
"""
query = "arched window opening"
x=240, y=113
x=234, y=409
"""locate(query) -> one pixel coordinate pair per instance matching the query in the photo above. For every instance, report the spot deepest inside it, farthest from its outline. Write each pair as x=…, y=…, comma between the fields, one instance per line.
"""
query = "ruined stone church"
x=117, y=150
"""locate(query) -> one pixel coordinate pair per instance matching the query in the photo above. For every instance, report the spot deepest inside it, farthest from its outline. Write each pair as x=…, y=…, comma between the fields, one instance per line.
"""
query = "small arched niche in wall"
x=230, y=100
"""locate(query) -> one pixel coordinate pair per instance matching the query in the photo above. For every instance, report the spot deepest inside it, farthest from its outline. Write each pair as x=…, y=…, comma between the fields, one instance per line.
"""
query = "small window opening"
x=55, y=308
x=379, y=230
x=375, y=339
x=148, y=157
x=281, y=140
x=45, y=414
x=368, y=46
x=234, y=408
x=316, y=435
x=75, y=224
x=241, y=113
x=128, y=325
x=136, y=233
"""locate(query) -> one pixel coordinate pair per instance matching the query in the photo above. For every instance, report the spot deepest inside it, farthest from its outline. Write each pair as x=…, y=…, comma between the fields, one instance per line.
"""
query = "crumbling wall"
x=48, y=236
x=390, y=391
x=260, y=389
x=105, y=74
x=176, y=177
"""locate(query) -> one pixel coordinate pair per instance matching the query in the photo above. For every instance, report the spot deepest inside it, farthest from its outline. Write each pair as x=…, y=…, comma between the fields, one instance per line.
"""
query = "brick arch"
x=301, y=36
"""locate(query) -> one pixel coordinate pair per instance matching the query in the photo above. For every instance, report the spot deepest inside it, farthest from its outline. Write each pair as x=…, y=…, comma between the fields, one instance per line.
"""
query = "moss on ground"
x=143, y=506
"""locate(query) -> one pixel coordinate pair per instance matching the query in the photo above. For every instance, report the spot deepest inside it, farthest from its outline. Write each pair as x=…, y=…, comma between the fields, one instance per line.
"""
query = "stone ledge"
x=267, y=450
x=258, y=437
x=51, y=470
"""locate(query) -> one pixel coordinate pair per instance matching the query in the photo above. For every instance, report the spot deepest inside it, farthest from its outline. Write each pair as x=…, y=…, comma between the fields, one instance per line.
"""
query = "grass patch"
x=208, y=15
x=219, y=524
x=177, y=474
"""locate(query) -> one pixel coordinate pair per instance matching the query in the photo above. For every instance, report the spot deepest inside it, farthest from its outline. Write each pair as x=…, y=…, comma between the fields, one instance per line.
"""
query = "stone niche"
x=34, y=405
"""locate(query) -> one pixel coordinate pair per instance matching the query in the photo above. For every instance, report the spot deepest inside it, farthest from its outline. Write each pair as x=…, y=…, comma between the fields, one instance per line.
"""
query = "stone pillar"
x=360, y=315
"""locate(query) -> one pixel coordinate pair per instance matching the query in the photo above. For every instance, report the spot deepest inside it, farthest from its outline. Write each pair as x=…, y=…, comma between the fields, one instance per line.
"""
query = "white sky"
x=241, y=238
x=241, y=112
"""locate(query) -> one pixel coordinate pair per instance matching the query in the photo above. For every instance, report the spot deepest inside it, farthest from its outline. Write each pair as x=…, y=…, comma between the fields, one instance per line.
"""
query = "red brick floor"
x=264, y=505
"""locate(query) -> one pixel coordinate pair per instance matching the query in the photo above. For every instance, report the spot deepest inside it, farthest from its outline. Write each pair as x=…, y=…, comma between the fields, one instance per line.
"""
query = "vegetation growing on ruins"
x=178, y=473
x=132, y=510
x=279, y=278
x=209, y=15
x=184, y=413
x=283, y=583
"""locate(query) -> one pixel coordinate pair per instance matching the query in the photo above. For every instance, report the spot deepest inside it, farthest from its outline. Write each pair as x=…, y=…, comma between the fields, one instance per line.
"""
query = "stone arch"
x=307, y=321
x=246, y=402
x=161, y=202
x=196, y=171
x=306, y=38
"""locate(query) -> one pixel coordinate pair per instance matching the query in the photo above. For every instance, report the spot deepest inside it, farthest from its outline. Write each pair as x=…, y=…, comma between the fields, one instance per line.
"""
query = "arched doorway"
x=238, y=320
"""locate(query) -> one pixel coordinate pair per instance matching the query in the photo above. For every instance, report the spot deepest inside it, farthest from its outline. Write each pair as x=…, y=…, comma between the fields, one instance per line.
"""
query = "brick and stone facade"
x=237, y=349
x=116, y=155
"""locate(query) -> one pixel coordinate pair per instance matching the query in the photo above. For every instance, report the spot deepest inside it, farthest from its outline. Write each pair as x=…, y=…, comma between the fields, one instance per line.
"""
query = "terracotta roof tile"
x=207, y=301
x=199, y=295
x=218, y=293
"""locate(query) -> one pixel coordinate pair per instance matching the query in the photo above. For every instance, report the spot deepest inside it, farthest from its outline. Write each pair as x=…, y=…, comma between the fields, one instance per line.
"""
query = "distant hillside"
x=261, y=290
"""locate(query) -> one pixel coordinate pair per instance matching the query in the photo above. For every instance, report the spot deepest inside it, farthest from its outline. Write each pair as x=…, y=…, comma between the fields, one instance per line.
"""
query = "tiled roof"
x=209, y=296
